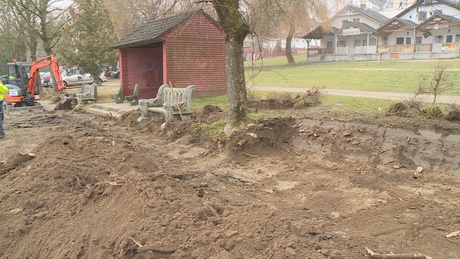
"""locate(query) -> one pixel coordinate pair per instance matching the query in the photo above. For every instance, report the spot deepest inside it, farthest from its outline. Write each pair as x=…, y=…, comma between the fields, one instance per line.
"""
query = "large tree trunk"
x=289, y=56
x=235, y=29
x=236, y=83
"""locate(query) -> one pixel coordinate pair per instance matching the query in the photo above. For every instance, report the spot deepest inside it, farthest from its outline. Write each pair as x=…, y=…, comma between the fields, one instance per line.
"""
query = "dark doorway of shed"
x=145, y=67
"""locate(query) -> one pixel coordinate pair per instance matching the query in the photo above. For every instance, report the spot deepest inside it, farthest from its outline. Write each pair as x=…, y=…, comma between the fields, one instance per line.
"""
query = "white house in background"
x=427, y=29
x=347, y=34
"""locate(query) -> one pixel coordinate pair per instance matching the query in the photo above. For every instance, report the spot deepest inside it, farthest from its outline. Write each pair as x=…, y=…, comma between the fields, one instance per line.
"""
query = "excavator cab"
x=17, y=82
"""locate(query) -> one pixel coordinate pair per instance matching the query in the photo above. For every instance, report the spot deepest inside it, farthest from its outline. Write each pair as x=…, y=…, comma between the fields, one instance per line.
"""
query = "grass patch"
x=214, y=130
x=276, y=61
x=199, y=103
x=301, y=59
x=388, y=76
x=343, y=103
x=348, y=104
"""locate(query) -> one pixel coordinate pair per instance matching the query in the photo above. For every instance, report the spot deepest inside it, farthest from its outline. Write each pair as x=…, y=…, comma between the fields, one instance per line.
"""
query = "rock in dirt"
x=15, y=161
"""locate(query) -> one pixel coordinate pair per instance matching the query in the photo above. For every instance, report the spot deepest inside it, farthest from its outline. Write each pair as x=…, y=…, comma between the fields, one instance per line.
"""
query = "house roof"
x=379, y=18
x=419, y=3
x=438, y=19
x=379, y=3
x=320, y=31
x=152, y=31
x=394, y=24
x=362, y=26
x=397, y=23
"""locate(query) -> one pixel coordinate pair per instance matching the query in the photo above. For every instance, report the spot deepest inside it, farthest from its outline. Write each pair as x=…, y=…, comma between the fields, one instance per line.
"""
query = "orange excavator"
x=24, y=87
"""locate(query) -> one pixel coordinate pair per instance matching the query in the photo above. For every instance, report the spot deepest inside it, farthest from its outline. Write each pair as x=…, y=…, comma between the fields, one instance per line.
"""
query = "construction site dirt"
x=314, y=185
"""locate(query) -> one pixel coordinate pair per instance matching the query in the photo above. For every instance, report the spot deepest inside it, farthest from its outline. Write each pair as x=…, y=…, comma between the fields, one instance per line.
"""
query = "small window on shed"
x=449, y=38
x=356, y=19
x=418, y=40
x=400, y=41
x=408, y=40
x=422, y=16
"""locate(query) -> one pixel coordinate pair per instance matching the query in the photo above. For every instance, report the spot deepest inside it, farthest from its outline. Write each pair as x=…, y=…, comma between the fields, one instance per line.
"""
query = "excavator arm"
x=50, y=61
x=23, y=98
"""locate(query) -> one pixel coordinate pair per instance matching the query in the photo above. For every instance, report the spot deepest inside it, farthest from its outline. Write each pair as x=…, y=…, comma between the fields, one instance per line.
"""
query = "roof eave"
x=137, y=44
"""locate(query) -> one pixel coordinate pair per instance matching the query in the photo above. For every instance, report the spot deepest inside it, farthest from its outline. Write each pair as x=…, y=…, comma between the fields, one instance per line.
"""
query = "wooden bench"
x=134, y=99
x=118, y=97
x=169, y=102
x=87, y=93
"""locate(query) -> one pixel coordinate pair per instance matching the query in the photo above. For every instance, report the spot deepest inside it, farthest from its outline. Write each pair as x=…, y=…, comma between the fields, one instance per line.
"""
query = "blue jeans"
x=2, y=116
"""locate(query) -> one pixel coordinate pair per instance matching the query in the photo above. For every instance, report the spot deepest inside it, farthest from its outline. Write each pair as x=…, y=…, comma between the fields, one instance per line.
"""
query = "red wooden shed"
x=183, y=49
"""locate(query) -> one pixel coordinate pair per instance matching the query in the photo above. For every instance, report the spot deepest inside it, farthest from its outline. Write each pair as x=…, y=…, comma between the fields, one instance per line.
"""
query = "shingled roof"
x=379, y=18
x=419, y=3
x=320, y=31
x=361, y=26
x=152, y=31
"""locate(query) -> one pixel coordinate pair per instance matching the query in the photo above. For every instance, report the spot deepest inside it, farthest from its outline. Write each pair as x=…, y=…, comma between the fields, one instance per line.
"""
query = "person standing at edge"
x=3, y=90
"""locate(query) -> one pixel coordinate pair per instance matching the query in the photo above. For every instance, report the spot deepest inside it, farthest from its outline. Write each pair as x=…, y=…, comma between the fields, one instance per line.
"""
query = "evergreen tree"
x=88, y=38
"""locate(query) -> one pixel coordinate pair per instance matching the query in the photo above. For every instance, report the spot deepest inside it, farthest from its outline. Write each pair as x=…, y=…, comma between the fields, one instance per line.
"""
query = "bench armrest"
x=173, y=106
x=155, y=102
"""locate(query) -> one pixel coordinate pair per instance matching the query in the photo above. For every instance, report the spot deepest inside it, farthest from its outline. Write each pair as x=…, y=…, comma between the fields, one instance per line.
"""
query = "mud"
x=309, y=186
x=432, y=150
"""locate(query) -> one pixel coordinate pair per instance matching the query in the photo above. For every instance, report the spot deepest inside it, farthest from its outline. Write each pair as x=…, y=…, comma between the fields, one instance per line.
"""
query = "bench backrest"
x=173, y=95
x=89, y=90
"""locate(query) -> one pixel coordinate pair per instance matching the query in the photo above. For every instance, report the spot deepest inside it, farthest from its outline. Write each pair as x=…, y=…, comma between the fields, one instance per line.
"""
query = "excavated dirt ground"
x=318, y=186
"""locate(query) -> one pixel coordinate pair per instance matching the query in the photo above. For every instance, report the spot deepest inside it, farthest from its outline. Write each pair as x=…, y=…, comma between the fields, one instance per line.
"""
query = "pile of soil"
x=291, y=187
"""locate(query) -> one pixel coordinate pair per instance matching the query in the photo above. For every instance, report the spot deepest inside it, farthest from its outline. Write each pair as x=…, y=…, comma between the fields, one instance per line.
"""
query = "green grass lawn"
x=390, y=76
x=393, y=76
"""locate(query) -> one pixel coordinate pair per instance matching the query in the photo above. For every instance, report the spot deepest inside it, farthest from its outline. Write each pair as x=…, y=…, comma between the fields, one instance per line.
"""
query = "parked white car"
x=75, y=76
x=45, y=78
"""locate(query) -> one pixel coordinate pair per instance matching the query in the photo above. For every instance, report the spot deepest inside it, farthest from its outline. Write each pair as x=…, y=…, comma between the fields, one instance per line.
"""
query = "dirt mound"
x=264, y=136
x=102, y=188
x=399, y=109
x=208, y=109
x=453, y=115
x=212, y=113
x=278, y=101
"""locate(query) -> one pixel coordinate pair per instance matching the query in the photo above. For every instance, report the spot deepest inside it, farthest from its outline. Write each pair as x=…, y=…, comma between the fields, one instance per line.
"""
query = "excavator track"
x=12, y=110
